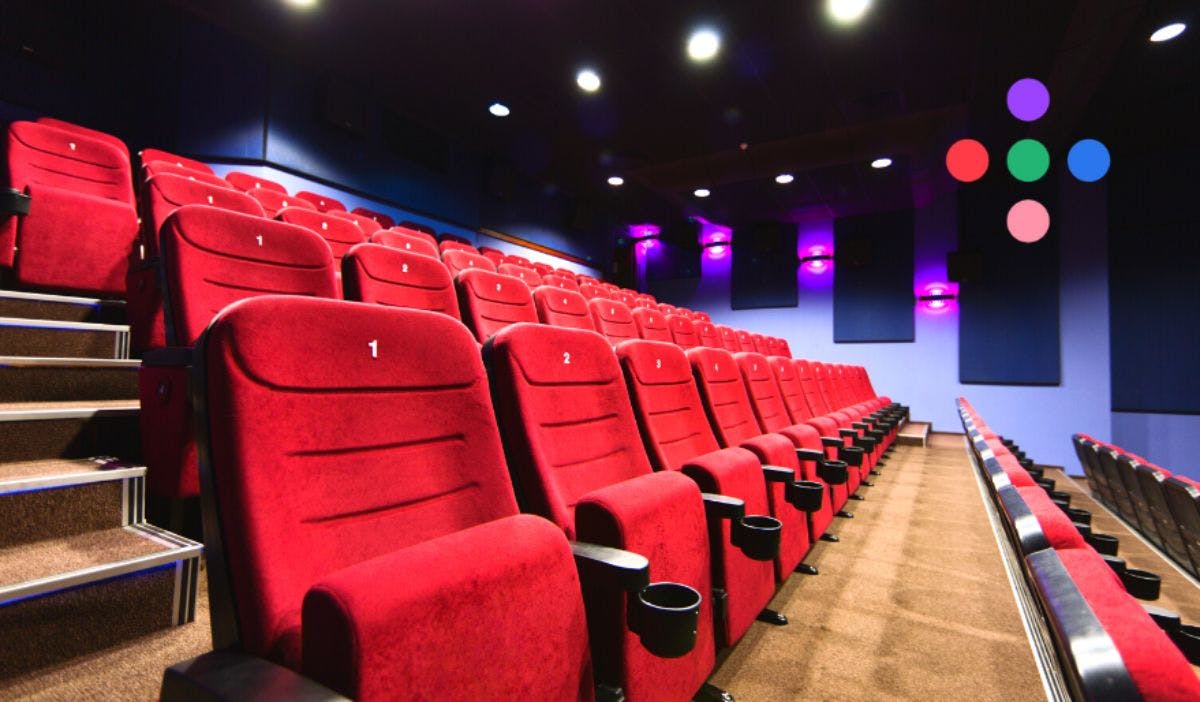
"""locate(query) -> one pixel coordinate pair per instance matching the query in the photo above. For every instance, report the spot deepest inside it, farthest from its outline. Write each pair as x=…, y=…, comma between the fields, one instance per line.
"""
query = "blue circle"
x=1088, y=160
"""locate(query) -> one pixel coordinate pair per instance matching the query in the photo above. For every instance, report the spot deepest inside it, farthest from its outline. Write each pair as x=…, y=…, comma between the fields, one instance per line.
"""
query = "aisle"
x=912, y=604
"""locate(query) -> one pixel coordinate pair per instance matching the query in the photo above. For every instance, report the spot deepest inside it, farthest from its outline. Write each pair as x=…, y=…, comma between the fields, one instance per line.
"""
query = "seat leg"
x=844, y=514
x=770, y=616
x=831, y=538
x=806, y=569
x=711, y=693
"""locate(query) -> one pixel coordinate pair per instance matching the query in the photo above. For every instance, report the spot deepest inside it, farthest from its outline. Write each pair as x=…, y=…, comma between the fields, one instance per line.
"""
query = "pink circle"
x=1028, y=221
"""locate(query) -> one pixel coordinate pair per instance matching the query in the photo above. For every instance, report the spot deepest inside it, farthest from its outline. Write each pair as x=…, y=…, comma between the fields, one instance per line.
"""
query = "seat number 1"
x=374, y=344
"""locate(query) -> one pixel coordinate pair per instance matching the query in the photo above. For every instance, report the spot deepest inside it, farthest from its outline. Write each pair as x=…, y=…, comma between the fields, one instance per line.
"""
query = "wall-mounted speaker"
x=964, y=266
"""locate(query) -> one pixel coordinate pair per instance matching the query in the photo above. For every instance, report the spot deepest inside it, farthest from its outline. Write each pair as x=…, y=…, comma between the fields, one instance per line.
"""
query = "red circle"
x=967, y=160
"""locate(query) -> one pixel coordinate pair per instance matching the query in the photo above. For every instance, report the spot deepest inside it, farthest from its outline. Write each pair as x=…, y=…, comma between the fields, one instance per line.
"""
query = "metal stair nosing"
x=120, y=332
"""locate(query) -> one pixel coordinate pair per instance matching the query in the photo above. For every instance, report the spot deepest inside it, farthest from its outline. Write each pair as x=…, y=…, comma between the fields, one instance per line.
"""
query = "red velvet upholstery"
x=698, y=317
x=417, y=230
x=648, y=299
x=323, y=203
x=365, y=224
x=491, y=301
x=493, y=255
x=745, y=341
x=384, y=221
x=594, y=292
x=274, y=202
x=683, y=331
x=792, y=394
x=558, y=280
x=399, y=239
x=651, y=324
x=82, y=226
x=517, y=261
x=574, y=449
x=628, y=297
x=760, y=344
x=1056, y=525
x=85, y=131
x=612, y=319
x=166, y=193
x=154, y=168
x=707, y=334
x=341, y=234
x=562, y=308
x=151, y=155
x=452, y=245
x=247, y=182
x=1158, y=669
x=729, y=339
x=666, y=308
x=375, y=545
x=528, y=275
x=398, y=278
x=458, y=261
x=543, y=269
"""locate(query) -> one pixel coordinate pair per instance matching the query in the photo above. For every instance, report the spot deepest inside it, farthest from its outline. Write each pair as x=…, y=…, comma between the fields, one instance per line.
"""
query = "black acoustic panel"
x=764, y=266
x=1154, y=287
x=677, y=253
x=963, y=266
x=1008, y=328
x=873, y=278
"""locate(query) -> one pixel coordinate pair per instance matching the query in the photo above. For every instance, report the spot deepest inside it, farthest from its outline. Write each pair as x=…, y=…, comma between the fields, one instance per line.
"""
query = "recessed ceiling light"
x=847, y=11
x=703, y=45
x=302, y=4
x=1168, y=32
x=499, y=109
x=701, y=192
x=616, y=181
x=784, y=178
x=588, y=80
x=881, y=162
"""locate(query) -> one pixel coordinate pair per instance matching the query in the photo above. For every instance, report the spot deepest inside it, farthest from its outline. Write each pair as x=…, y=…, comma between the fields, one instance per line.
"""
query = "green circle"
x=1028, y=160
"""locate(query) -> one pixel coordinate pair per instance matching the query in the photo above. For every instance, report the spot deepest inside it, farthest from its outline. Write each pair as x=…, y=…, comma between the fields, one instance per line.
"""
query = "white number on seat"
x=324, y=225
x=497, y=287
x=566, y=358
x=71, y=144
x=374, y=344
x=716, y=368
x=210, y=200
x=658, y=363
x=259, y=238
x=404, y=268
x=285, y=203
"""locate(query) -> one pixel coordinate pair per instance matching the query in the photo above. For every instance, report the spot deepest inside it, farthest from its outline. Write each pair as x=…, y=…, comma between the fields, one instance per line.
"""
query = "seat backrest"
x=398, y=239
x=365, y=224
x=529, y=276
x=763, y=390
x=724, y=395
x=729, y=339
x=565, y=416
x=560, y=281
x=334, y=433
x=44, y=155
x=651, y=324
x=398, y=278
x=323, y=203
x=151, y=155
x=458, y=261
x=213, y=257
x=416, y=227
x=666, y=308
x=790, y=389
x=85, y=131
x=491, y=301
x=822, y=381
x=448, y=236
x=517, y=261
x=166, y=193
x=613, y=320
x=812, y=392
x=760, y=344
x=274, y=202
x=666, y=402
x=595, y=292
x=452, y=245
x=562, y=308
x=543, y=269
x=493, y=255
x=700, y=317
x=628, y=297
x=384, y=221
x=745, y=341
x=341, y=234
x=159, y=167
x=707, y=335
x=683, y=331
x=247, y=182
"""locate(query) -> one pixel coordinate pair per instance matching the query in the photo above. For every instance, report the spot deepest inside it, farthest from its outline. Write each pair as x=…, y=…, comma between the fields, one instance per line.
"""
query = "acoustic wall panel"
x=764, y=266
x=873, y=278
x=1008, y=324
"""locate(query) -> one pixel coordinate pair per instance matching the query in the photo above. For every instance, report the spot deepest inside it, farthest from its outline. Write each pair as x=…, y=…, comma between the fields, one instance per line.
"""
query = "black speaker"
x=677, y=255
x=964, y=266
x=764, y=266
x=854, y=253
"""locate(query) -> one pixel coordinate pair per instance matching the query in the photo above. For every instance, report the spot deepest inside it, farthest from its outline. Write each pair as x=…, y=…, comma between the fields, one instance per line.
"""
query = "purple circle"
x=1028, y=99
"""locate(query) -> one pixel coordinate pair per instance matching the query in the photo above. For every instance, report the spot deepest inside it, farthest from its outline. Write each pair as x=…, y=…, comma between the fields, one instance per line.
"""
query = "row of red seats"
x=1163, y=506
x=1112, y=647
x=362, y=485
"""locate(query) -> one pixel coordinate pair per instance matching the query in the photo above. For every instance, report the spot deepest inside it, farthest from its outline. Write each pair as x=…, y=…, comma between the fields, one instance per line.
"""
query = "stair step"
x=50, y=379
x=914, y=434
x=49, y=337
x=31, y=305
x=20, y=476
x=43, y=430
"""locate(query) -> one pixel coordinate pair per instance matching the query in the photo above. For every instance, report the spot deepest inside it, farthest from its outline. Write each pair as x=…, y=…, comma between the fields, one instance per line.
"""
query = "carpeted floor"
x=912, y=604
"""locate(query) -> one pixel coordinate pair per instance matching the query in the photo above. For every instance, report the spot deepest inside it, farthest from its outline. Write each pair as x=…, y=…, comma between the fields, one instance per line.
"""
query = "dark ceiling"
x=803, y=95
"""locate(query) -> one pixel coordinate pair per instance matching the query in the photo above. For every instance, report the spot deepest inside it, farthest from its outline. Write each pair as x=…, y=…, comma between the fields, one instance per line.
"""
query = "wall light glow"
x=703, y=45
x=588, y=80
x=716, y=251
x=817, y=260
x=305, y=4
x=937, y=298
x=847, y=11
x=643, y=231
x=1168, y=32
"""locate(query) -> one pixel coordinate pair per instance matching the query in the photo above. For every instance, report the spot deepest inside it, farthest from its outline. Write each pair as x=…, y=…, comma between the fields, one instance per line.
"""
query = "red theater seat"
x=375, y=546
x=700, y=317
x=562, y=308
x=745, y=341
x=365, y=224
x=708, y=335
x=154, y=168
x=340, y=233
x=491, y=301
x=210, y=259
x=398, y=278
x=612, y=319
x=274, y=202
x=628, y=297
x=494, y=255
x=453, y=245
x=87, y=132
x=543, y=269
x=651, y=324
x=400, y=239
x=247, y=182
x=683, y=331
x=527, y=275
x=517, y=261
x=424, y=229
x=323, y=203
x=71, y=216
x=384, y=221
x=592, y=291
x=146, y=156
x=458, y=261
x=729, y=339
x=760, y=344
x=561, y=281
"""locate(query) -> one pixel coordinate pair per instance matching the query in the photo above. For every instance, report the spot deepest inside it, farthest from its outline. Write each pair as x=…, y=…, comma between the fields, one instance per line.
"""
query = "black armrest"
x=723, y=506
x=847, y=433
x=225, y=676
x=852, y=455
x=832, y=441
x=776, y=474
x=876, y=434
x=860, y=425
x=174, y=356
x=810, y=455
x=632, y=570
x=866, y=443
x=14, y=201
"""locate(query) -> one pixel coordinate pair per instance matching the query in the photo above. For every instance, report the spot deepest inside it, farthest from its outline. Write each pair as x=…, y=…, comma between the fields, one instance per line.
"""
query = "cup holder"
x=852, y=455
x=806, y=495
x=1079, y=516
x=1187, y=638
x=1142, y=584
x=665, y=617
x=757, y=536
x=833, y=472
x=1104, y=543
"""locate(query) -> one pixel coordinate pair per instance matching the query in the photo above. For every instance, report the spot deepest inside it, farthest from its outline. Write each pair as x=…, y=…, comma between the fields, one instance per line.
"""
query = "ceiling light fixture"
x=881, y=162
x=784, y=178
x=302, y=4
x=703, y=45
x=499, y=109
x=847, y=11
x=1168, y=32
x=616, y=181
x=588, y=80
x=701, y=192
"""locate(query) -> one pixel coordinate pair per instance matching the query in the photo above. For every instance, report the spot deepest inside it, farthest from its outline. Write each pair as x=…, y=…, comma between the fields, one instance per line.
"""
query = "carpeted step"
x=37, y=430
x=913, y=434
x=30, y=305
x=55, y=498
x=45, y=337
x=40, y=379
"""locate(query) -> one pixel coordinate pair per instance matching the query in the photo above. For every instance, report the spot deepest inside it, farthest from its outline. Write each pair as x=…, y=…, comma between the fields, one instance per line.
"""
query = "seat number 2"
x=566, y=358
